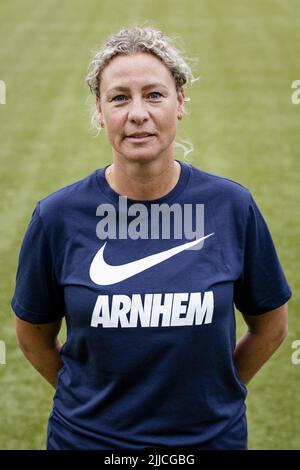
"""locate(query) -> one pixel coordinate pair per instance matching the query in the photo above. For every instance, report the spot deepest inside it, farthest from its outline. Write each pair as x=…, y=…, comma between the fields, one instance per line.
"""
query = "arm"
x=40, y=346
x=265, y=334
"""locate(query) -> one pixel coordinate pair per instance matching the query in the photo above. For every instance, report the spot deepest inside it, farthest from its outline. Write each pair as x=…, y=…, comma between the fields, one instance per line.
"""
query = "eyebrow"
x=146, y=87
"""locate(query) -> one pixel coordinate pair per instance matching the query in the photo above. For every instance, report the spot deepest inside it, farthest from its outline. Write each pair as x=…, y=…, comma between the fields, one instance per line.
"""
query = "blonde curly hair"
x=130, y=41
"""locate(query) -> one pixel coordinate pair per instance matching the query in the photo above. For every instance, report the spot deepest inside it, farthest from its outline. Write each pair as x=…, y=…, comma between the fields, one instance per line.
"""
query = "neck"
x=143, y=181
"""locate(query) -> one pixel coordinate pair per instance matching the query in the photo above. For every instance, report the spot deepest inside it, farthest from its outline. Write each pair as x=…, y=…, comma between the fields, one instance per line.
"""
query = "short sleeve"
x=37, y=297
x=262, y=285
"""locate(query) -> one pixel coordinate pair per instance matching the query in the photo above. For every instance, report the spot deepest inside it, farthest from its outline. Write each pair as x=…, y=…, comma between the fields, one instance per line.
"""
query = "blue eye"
x=158, y=95
x=153, y=95
x=118, y=96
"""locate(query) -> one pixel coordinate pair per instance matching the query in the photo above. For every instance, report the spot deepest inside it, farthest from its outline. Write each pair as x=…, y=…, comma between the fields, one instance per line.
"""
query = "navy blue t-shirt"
x=148, y=360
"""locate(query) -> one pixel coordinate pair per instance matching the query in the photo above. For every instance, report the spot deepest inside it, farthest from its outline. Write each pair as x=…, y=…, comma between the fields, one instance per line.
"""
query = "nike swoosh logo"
x=104, y=274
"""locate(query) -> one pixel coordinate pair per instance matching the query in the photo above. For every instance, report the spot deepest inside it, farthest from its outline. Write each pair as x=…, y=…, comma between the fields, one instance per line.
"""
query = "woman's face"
x=138, y=96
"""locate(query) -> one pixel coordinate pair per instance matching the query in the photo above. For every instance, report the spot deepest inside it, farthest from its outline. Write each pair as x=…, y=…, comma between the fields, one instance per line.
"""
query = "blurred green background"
x=241, y=122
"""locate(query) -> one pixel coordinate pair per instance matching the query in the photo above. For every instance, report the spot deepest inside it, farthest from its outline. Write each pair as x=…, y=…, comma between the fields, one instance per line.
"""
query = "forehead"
x=135, y=70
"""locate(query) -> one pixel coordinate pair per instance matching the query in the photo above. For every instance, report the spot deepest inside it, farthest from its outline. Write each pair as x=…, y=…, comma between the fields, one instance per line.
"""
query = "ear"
x=180, y=99
x=98, y=105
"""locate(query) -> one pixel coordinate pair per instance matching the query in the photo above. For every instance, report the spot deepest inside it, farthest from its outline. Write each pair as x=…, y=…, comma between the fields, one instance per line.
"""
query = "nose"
x=138, y=112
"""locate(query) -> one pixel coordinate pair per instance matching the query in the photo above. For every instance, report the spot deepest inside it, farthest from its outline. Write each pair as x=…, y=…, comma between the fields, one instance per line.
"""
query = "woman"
x=150, y=359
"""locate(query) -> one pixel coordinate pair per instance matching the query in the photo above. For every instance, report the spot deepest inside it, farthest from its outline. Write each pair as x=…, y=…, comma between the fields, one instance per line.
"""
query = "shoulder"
x=217, y=185
x=66, y=198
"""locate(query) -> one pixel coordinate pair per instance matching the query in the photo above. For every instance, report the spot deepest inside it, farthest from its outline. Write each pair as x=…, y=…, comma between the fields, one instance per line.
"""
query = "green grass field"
x=241, y=121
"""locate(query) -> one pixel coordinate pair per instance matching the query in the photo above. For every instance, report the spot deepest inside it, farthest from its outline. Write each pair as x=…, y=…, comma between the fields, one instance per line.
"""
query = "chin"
x=141, y=156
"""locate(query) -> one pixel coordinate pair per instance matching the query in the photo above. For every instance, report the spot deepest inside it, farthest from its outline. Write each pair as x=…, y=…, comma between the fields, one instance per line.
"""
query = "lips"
x=140, y=135
x=140, y=138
